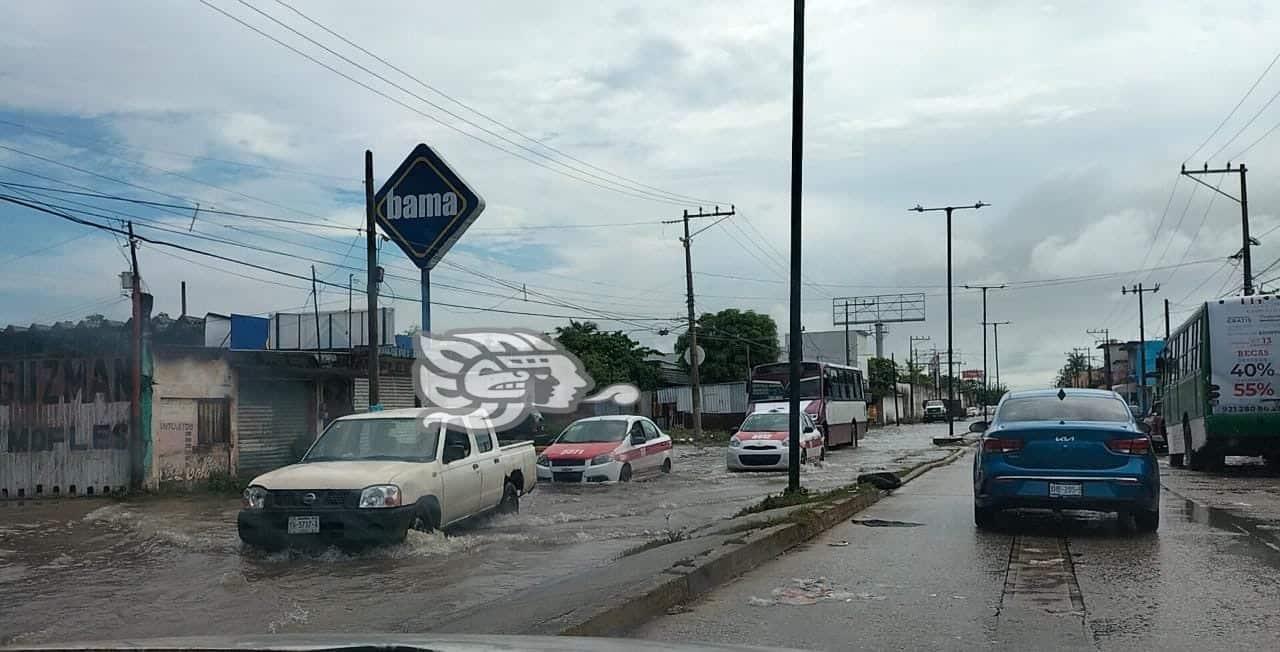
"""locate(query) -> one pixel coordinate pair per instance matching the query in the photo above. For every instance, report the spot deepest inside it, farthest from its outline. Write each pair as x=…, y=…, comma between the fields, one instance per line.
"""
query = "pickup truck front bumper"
x=269, y=528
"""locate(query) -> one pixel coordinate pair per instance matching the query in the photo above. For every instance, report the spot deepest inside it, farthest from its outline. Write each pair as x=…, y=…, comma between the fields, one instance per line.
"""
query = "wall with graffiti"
x=64, y=425
x=193, y=418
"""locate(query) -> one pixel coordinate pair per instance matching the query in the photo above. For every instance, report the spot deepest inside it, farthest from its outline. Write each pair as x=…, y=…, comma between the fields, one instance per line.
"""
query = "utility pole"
x=1245, y=258
x=184, y=299
x=951, y=395
x=911, y=386
x=1166, y=320
x=1106, y=350
x=986, y=384
x=135, y=398
x=1141, y=373
x=315, y=305
x=880, y=331
x=897, y=411
x=371, y=253
x=1088, y=363
x=797, y=176
x=995, y=332
x=695, y=387
x=350, y=281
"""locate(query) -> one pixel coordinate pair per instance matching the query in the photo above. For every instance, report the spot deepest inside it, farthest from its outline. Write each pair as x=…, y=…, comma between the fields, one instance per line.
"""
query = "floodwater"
x=148, y=567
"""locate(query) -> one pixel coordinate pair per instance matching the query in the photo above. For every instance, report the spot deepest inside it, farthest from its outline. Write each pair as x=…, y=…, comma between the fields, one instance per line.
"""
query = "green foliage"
x=610, y=357
x=734, y=340
x=882, y=374
x=1076, y=364
x=221, y=482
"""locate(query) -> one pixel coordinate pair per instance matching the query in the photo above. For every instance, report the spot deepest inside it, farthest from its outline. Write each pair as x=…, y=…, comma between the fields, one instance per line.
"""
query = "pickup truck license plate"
x=1065, y=489
x=304, y=525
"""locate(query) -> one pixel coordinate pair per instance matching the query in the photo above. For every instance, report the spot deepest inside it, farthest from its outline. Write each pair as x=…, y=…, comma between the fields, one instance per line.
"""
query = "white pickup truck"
x=369, y=478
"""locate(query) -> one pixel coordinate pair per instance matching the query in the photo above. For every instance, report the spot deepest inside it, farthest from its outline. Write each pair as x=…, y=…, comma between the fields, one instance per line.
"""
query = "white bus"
x=834, y=395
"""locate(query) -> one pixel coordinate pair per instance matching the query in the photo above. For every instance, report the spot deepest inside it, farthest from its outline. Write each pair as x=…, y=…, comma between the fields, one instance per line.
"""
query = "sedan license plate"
x=1065, y=489
x=304, y=525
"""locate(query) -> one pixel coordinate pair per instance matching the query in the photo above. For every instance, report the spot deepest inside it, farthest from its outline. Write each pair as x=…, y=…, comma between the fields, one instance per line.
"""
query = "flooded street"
x=175, y=566
x=1039, y=581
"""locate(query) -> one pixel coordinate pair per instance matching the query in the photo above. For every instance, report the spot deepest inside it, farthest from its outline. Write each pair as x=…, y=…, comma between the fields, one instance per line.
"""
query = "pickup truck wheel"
x=510, y=499
x=624, y=475
x=422, y=521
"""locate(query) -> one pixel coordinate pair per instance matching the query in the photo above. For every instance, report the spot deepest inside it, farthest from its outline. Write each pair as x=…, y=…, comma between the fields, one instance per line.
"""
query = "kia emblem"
x=308, y=499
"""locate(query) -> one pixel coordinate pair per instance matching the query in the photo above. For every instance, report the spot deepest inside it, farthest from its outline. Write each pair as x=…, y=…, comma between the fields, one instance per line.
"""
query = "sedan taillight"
x=998, y=445
x=1136, y=446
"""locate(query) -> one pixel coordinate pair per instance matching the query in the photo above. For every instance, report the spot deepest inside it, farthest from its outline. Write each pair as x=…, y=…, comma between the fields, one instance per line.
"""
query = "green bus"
x=1218, y=378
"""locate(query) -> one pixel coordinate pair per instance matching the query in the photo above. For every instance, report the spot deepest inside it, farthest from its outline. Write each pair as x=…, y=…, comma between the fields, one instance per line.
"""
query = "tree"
x=733, y=341
x=609, y=357
x=1076, y=364
x=882, y=375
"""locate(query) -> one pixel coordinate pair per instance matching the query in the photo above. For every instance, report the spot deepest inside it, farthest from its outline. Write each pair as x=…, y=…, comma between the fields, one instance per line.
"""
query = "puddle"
x=875, y=522
x=1258, y=534
x=809, y=591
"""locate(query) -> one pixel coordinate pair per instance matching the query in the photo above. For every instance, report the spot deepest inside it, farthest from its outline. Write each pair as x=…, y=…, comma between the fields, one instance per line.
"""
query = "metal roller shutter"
x=271, y=416
x=395, y=392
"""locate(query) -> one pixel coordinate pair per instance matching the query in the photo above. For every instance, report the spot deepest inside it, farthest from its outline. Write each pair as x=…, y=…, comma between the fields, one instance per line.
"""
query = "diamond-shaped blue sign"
x=425, y=207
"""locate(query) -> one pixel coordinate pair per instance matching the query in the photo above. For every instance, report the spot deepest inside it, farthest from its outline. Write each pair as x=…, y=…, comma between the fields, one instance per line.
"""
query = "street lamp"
x=951, y=386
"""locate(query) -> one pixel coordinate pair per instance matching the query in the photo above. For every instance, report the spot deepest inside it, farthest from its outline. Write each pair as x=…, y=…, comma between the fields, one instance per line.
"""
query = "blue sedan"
x=1065, y=449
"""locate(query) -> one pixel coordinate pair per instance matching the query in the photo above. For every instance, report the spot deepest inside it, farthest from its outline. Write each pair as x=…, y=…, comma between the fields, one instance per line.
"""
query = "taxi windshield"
x=772, y=422
x=585, y=432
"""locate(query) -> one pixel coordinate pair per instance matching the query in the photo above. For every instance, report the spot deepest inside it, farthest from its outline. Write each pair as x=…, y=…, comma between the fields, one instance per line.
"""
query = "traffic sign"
x=697, y=353
x=424, y=207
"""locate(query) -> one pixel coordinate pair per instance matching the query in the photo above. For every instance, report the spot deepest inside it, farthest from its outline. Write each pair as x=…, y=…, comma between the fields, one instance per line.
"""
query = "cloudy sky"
x=1070, y=118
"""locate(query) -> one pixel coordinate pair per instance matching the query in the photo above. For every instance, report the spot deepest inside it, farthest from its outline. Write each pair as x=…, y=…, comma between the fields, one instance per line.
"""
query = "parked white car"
x=606, y=449
x=371, y=477
x=761, y=442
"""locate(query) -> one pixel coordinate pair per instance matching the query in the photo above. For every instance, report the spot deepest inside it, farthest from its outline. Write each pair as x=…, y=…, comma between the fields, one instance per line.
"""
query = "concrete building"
x=829, y=346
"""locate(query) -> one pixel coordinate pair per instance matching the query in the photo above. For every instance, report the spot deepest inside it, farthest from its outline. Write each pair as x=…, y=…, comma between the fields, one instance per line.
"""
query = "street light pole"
x=951, y=392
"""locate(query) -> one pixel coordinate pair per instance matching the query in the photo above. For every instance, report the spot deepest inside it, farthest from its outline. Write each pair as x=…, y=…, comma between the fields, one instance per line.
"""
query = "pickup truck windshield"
x=766, y=423
x=1071, y=408
x=375, y=439
x=584, y=432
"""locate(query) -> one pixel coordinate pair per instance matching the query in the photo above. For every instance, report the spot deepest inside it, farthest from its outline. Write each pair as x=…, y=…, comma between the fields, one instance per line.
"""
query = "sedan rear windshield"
x=584, y=432
x=1071, y=408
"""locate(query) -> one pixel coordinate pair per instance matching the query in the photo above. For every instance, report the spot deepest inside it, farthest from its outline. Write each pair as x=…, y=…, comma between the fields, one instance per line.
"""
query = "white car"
x=606, y=449
x=371, y=477
x=761, y=442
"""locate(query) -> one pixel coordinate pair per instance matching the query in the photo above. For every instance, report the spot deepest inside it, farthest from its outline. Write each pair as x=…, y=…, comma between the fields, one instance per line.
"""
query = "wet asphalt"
x=174, y=566
x=912, y=573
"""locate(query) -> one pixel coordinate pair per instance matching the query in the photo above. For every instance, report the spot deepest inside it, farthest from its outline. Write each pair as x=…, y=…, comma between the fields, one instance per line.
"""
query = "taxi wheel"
x=624, y=475
x=804, y=455
x=822, y=453
x=666, y=465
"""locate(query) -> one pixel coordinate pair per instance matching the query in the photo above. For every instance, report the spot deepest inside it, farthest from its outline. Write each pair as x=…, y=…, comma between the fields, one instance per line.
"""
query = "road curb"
x=689, y=579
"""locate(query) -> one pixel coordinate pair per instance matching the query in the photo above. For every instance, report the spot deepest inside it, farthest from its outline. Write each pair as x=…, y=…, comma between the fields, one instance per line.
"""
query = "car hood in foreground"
x=442, y=643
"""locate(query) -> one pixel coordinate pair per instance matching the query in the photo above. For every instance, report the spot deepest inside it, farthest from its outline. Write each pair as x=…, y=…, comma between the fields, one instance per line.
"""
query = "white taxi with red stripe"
x=606, y=449
x=760, y=443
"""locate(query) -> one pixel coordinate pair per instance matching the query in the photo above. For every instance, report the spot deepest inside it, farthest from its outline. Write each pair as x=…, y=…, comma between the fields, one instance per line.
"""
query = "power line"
x=264, y=268
x=1233, y=138
x=51, y=133
x=487, y=117
x=621, y=189
x=1234, y=108
x=1255, y=143
x=1155, y=235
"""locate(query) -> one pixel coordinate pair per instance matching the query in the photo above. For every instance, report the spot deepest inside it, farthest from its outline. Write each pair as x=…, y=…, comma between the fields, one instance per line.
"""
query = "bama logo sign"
x=425, y=206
